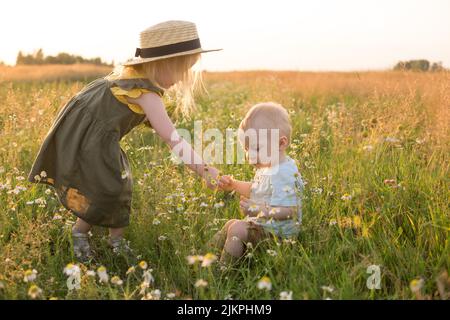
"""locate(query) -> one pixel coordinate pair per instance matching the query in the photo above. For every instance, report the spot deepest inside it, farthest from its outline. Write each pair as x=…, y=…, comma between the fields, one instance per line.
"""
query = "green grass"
x=402, y=228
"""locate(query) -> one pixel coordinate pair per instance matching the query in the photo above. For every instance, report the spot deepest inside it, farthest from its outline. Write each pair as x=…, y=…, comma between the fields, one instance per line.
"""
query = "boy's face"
x=266, y=148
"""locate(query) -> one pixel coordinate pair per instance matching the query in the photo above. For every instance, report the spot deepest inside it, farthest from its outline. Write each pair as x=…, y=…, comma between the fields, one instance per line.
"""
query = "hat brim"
x=184, y=53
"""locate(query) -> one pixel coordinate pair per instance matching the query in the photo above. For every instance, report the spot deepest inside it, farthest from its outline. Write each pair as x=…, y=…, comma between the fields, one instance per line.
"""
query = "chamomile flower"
x=416, y=285
x=253, y=208
x=34, y=291
x=208, y=259
x=116, y=281
x=264, y=284
x=143, y=265
x=200, y=283
x=219, y=205
x=72, y=269
x=102, y=274
x=346, y=197
x=194, y=259
x=286, y=295
x=30, y=275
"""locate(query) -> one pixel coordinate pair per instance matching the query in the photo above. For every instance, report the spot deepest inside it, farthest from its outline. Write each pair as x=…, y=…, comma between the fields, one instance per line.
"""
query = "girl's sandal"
x=120, y=246
x=81, y=247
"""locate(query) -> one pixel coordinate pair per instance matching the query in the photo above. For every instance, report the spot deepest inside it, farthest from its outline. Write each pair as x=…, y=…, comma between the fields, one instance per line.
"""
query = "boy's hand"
x=226, y=183
x=248, y=207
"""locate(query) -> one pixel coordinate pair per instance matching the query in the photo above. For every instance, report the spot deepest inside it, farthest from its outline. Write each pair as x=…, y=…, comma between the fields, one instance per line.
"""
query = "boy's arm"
x=267, y=212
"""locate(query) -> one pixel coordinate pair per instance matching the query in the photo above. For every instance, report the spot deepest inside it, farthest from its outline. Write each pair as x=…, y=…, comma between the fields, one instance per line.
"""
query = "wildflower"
x=368, y=148
x=218, y=205
x=356, y=221
x=170, y=295
x=90, y=273
x=34, y=291
x=194, y=259
x=272, y=253
x=48, y=191
x=253, y=208
x=329, y=289
x=391, y=140
x=201, y=283
x=102, y=274
x=43, y=174
x=264, y=284
x=416, y=285
x=208, y=259
x=274, y=211
x=124, y=174
x=162, y=238
x=130, y=270
x=156, y=222
x=284, y=295
x=30, y=275
x=148, y=277
x=203, y=204
x=317, y=190
x=116, y=281
x=37, y=178
x=72, y=269
x=332, y=222
x=153, y=295
x=143, y=265
x=346, y=197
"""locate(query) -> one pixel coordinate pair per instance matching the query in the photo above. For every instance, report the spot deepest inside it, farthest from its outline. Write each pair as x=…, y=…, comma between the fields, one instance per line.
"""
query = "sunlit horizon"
x=323, y=35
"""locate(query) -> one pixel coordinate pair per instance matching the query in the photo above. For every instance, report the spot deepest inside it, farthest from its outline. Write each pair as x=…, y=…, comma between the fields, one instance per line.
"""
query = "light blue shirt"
x=278, y=186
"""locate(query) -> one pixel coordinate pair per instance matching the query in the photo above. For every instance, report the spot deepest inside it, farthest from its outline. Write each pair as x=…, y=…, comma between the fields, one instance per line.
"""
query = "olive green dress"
x=81, y=156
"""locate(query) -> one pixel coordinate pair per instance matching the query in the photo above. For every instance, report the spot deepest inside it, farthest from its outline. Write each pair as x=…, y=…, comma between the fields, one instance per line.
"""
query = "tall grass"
x=372, y=147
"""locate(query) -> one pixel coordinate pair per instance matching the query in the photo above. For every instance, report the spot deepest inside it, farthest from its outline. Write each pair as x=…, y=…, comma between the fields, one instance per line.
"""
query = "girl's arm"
x=156, y=113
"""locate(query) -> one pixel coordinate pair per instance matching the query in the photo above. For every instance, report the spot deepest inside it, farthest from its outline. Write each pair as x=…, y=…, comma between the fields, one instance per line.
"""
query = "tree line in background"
x=419, y=65
x=38, y=58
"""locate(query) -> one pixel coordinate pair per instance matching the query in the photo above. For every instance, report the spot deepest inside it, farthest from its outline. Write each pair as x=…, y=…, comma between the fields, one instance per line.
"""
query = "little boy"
x=272, y=201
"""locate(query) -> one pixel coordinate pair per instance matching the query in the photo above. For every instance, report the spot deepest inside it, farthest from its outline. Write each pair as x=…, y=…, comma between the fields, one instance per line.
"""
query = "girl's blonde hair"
x=187, y=81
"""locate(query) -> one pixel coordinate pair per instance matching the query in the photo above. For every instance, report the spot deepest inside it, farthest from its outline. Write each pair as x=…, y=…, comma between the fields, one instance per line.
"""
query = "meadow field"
x=373, y=148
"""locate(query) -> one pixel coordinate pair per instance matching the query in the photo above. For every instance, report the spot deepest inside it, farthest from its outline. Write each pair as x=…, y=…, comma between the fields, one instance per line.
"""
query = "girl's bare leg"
x=116, y=233
x=81, y=226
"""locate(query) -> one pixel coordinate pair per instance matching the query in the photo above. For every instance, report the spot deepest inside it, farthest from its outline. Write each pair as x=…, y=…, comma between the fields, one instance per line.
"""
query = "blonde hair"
x=187, y=81
x=268, y=115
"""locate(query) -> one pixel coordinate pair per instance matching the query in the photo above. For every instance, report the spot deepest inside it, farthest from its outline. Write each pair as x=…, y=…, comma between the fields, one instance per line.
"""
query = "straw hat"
x=167, y=39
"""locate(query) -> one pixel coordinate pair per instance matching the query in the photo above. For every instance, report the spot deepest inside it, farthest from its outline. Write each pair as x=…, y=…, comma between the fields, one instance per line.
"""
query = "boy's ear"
x=284, y=142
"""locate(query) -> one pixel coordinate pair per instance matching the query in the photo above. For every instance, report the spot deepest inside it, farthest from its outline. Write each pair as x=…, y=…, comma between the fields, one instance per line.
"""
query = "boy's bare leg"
x=218, y=240
x=237, y=236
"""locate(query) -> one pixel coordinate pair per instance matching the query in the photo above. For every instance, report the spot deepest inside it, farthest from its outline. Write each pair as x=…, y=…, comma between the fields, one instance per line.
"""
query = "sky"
x=313, y=35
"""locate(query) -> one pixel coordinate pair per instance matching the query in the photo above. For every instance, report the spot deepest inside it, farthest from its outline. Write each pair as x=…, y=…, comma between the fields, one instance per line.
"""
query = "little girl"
x=271, y=202
x=81, y=156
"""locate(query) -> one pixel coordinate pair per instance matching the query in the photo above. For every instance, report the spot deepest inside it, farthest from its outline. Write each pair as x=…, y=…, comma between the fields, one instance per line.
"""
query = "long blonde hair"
x=187, y=81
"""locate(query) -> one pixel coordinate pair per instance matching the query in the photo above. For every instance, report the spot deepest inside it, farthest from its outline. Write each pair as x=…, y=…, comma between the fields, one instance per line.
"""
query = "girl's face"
x=167, y=78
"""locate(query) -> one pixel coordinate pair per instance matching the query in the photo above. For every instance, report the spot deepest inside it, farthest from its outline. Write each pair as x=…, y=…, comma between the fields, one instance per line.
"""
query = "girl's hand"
x=226, y=183
x=211, y=175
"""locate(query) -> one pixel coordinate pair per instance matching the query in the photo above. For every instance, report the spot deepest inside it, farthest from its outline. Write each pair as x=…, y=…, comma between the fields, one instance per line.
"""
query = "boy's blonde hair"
x=268, y=115
x=187, y=82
